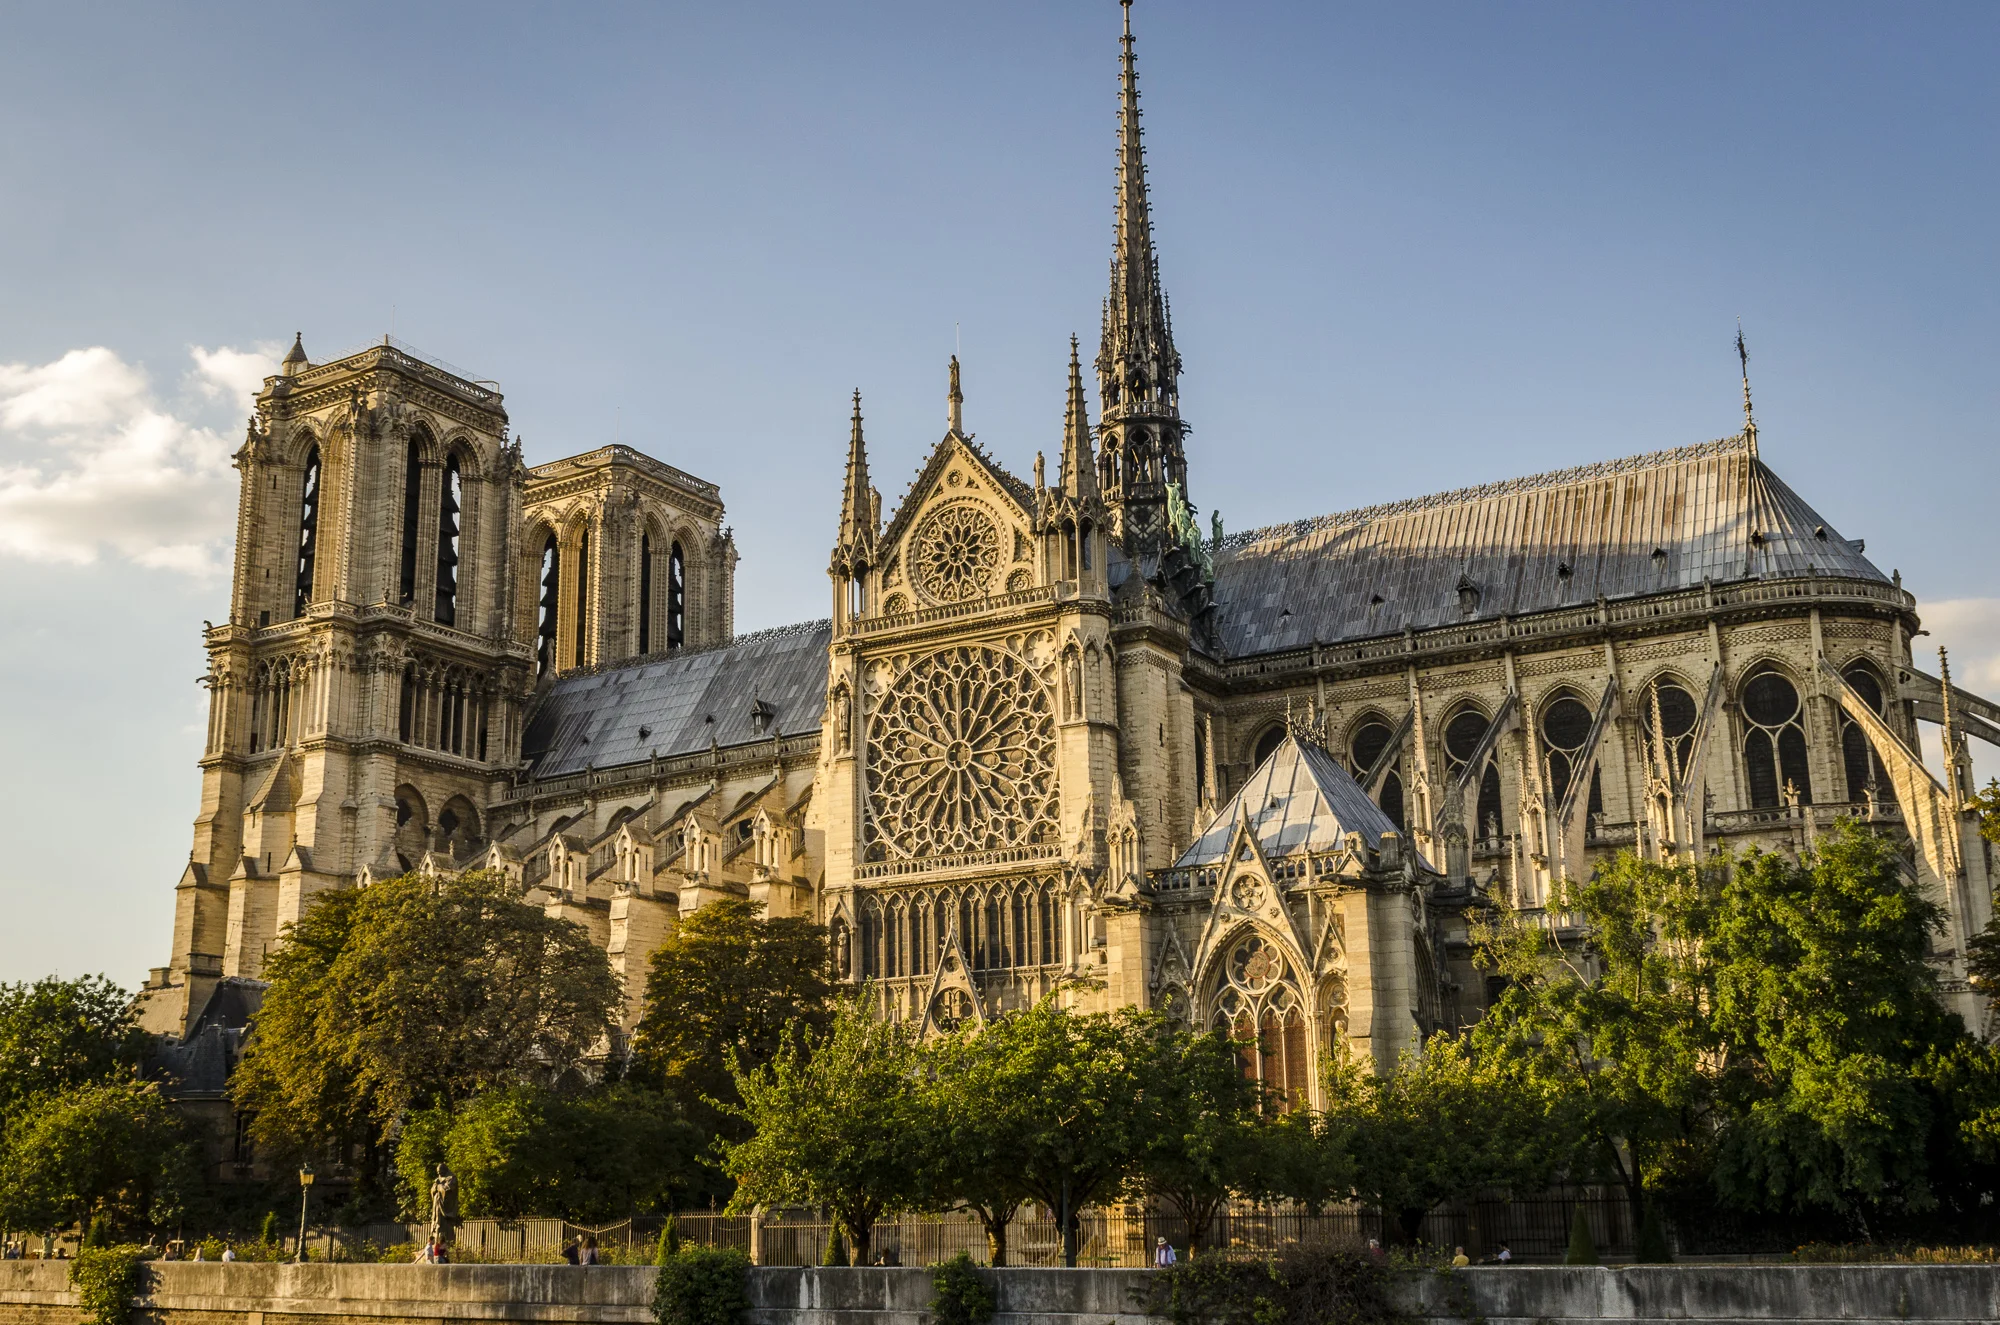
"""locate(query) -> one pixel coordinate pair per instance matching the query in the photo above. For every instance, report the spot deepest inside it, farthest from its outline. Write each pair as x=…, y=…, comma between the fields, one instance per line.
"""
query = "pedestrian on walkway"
x=1163, y=1254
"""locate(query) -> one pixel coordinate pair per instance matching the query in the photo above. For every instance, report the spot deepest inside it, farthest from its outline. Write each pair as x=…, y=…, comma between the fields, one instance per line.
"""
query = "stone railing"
x=868, y=625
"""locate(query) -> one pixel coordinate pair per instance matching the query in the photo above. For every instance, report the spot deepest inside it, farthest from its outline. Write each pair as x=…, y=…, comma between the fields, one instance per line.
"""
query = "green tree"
x=1442, y=1124
x=526, y=1149
x=416, y=993
x=974, y=1103
x=55, y=1034
x=729, y=983
x=1086, y=1119
x=110, y=1149
x=1615, y=1032
x=1821, y=979
x=837, y=1123
x=1206, y=1139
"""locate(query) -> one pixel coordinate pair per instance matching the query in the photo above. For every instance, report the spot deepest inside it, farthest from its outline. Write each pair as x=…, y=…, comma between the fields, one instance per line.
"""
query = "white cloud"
x=234, y=376
x=94, y=463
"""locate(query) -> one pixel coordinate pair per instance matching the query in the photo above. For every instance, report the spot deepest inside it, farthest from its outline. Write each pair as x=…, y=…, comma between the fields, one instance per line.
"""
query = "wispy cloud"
x=96, y=462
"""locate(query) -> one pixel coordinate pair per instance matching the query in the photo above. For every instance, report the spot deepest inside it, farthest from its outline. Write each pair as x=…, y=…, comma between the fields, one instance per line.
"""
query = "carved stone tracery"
x=957, y=552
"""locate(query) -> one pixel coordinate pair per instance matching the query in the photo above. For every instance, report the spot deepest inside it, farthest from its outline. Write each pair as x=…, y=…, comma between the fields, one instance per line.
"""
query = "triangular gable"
x=1298, y=800
x=952, y=447
x=274, y=796
x=953, y=973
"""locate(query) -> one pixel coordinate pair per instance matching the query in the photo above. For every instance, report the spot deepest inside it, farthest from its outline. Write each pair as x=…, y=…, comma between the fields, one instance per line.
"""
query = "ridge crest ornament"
x=963, y=758
x=957, y=552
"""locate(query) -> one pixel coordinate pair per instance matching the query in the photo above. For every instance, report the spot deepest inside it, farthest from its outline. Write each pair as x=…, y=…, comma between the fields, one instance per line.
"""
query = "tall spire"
x=955, y=404
x=1749, y=415
x=856, y=544
x=1078, y=476
x=1138, y=369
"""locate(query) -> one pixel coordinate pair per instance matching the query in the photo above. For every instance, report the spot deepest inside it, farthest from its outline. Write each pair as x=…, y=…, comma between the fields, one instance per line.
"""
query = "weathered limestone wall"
x=37, y=1293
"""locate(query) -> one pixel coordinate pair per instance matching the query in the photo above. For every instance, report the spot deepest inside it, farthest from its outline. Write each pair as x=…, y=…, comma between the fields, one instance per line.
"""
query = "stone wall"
x=37, y=1293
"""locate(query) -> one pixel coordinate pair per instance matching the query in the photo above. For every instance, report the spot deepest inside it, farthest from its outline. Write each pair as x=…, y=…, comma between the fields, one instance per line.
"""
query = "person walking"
x=570, y=1253
x=1163, y=1254
x=1459, y=1258
x=587, y=1254
x=228, y=1252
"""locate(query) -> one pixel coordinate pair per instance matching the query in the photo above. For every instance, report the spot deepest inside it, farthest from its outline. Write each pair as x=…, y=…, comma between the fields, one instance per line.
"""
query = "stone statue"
x=440, y=1190
x=1215, y=524
x=843, y=719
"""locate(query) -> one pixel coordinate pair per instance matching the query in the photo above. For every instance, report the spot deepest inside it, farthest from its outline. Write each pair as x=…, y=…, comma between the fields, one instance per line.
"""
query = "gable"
x=963, y=532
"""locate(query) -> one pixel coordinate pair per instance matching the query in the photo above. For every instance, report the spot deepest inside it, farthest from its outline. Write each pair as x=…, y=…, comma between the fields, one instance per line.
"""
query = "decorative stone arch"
x=457, y=828
x=1562, y=716
x=1253, y=987
x=411, y=826
x=1773, y=730
x=1359, y=746
x=1866, y=778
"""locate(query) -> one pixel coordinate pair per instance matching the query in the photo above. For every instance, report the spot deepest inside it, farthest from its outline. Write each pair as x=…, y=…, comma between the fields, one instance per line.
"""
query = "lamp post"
x=305, y=1193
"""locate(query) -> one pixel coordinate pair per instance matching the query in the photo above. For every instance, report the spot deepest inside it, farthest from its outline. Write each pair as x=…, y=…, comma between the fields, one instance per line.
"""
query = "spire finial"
x=295, y=355
x=1749, y=415
x=1078, y=475
x=858, y=516
x=1951, y=736
x=955, y=411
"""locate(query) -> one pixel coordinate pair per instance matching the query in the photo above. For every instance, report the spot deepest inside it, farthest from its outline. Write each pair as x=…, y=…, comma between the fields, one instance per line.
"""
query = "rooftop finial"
x=295, y=355
x=956, y=411
x=1749, y=416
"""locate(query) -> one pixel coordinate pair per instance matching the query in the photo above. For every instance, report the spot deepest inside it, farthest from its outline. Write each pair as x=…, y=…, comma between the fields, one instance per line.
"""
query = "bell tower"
x=367, y=692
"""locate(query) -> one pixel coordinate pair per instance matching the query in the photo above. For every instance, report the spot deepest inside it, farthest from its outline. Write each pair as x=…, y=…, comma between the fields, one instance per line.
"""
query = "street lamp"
x=305, y=1193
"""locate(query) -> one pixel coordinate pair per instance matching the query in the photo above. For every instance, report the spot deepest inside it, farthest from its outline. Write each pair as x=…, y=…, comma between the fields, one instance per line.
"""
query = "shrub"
x=702, y=1286
x=268, y=1235
x=99, y=1232
x=106, y=1279
x=836, y=1247
x=670, y=1241
x=960, y=1294
x=1582, y=1247
x=1298, y=1286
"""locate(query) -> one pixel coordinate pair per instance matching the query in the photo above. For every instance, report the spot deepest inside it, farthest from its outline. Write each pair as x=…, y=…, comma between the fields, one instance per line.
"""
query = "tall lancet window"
x=450, y=496
x=308, y=532
x=645, y=593
x=577, y=654
x=413, y=493
x=549, y=622
x=676, y=598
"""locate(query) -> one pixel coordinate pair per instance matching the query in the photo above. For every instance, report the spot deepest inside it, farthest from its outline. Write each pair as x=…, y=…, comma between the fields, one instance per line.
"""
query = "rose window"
x=957, y=552
x=963, y=758
x=1254, y=965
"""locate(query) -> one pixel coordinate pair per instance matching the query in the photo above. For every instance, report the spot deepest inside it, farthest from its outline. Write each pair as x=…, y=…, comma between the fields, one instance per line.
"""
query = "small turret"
x=295, y=358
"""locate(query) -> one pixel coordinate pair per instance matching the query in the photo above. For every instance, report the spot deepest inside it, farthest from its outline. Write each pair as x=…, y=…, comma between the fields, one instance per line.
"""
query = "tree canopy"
x=111, y=1148
x=729, y=982
x=416, y=993
x=55, y=1034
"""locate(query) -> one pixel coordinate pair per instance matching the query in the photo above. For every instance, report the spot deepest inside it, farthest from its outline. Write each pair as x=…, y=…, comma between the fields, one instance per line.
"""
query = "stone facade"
x=1053, y=736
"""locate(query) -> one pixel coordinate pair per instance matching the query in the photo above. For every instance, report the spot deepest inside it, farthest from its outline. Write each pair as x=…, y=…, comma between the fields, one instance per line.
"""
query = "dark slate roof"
x=1298, y=800
x=593, y=716
x=1713, y=511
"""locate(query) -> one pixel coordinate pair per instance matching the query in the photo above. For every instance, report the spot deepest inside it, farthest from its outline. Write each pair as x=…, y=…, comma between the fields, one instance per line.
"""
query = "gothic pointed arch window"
x=548, y=623
x=1857, y=754
x=1365, y=745
x=1774, y=739
x=645, y=593
x=578, y=654
x=676, y=597
x=451, y=500
x=1255, y=1000
x=1565, y=729
x=1463, y=732
x=1672, y=736
x=413, y=496
x=309, y=485
x=1267, y=744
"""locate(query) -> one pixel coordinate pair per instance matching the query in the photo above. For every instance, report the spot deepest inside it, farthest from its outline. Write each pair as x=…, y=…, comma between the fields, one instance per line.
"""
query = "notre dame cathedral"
x=1054, y=734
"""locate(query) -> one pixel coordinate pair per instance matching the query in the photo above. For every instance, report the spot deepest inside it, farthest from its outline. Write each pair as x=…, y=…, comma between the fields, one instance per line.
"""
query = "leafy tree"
x=55, y=1034
x=416, y=993
x=1086, y=1120
x=976, y=1106
x=114, y=1149
x=526, y=1150
x=1206, y=1138
x=1615, y=1032
x=1304, y=1156
x=836, y=1124
x=1821, y=977
x=729, y=983
x=1441, y=1124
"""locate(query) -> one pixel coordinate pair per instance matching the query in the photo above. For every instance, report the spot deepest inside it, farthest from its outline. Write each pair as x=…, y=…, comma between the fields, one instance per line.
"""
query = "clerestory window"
x=1774, y=740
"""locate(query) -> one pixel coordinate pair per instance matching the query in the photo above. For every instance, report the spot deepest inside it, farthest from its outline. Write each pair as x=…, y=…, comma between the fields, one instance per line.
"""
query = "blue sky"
x=1409, y=248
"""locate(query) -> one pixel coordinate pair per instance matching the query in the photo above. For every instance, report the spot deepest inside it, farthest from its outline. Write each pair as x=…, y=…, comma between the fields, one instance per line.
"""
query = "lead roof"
x=1299, y=800
x=683, y=701
x=1642, y=525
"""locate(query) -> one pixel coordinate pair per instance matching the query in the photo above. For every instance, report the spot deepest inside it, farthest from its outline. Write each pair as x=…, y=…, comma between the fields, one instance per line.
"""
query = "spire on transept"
x=858, y=515
x=1078, y=474
x=1138, y=369
x=1749, y=415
